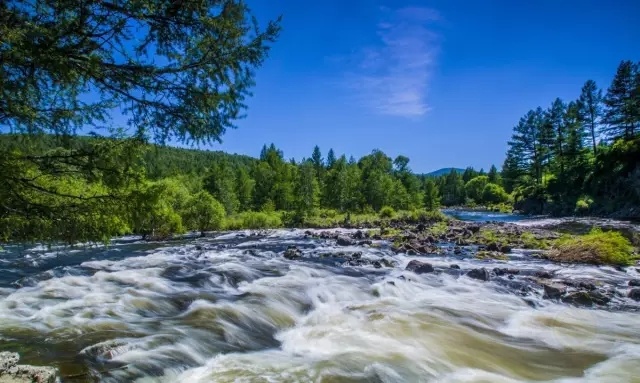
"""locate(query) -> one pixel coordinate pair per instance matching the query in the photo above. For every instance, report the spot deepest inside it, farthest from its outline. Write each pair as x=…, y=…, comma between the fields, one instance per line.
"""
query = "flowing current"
x=233, y=309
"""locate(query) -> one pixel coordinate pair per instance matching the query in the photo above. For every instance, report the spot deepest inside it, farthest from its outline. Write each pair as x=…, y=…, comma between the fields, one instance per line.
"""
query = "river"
x=233, y=309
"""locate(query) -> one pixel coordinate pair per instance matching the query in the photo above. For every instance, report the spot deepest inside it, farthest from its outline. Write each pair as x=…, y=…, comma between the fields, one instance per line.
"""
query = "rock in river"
x=345, y=241
x=419, y=267
x=634, y=294
x=480, y=274
x=554, y=290
x=586, y=298
x=292, y=253
x=12, y=372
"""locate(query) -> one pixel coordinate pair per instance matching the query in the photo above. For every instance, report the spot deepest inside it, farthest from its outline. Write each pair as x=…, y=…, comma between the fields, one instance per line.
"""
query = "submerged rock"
x=505, y=271
x=480, y=274
x=454, y=266
x=634, y=283
x=543, y=274
x=419, y=267
x=634, y=294
x=293, y=253
x=12, y=372
x=388, y=262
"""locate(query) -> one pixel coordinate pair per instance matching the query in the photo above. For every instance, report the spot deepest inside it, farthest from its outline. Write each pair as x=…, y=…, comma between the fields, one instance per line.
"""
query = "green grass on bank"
x=597, y=247
x=326, y=218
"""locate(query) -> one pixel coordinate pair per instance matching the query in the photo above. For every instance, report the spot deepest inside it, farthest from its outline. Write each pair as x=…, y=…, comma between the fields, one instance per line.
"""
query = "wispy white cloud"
x=392, y=77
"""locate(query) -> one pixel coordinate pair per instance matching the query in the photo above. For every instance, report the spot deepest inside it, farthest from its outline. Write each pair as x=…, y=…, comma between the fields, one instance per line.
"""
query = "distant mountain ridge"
x=443, y=171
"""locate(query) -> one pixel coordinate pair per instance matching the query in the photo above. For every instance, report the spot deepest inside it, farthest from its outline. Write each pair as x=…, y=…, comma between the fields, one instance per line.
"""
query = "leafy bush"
x=597, y=247
x=254, y=220
x=493, y=193
x=474, y=188
x=202, y=212
x=387, y=212
x=423, y=215
x=583, y=204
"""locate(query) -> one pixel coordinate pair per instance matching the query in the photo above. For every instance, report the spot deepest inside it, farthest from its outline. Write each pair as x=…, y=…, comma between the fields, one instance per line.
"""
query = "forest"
x=136, y=187
x=581, y=156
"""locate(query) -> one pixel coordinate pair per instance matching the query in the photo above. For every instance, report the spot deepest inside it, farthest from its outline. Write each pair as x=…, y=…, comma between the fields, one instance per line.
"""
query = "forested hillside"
x=158, y=190
x=581, y=156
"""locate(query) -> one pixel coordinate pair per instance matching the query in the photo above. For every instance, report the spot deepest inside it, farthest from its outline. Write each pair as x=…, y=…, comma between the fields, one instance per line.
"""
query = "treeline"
x=581, y=156
x=156, y=191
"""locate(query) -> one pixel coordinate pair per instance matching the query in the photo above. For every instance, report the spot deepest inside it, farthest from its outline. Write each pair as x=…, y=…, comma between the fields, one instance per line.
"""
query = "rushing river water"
x=233, y=309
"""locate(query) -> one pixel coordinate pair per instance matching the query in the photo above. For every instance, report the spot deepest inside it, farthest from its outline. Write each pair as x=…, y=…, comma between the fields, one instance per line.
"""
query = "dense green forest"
x=582, y=156
x=160, y=190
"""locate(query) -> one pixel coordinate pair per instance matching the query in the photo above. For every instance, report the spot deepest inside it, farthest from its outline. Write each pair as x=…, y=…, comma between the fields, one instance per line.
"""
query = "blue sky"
x=442, y=82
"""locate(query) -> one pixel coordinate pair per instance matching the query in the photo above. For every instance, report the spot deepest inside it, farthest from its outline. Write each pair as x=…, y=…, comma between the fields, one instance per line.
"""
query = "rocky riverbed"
x=462, y=301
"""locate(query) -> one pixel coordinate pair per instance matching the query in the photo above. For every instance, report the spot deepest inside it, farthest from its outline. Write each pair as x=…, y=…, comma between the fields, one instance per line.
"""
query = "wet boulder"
x=419, y=267
x=499, y=271
x=493, y=246
x=473, y=228
x=292, y=253
x=634, y=294
x=586, y=298
x=481, y=274
x=359, y=235
x=505, y=249
x=343, y=240
x=554, y=290
x=454, y=266
x=634, y=283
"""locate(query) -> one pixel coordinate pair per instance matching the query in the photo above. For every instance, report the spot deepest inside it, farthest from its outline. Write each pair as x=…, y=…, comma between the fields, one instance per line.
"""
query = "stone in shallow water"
x=554, y=290
x=634, y=282
x=345, y=241
x=12, y=372
x=586, y=298
x=292, y=253
x=419, y=267
x=634, y=294
x=480, y=274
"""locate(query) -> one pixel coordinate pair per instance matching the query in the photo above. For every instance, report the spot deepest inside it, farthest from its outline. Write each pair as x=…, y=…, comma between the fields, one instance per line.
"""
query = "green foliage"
x=254, y=220
x=182, y=76
x=202, y=212
x=307, y=190
x=474, y=188
x=583, y=205
x=387, y=212
x=155, y=209
x=431, y=195
x=597, y=247
x=494, y=194
x=438, y=229
x=190, y=86
x=529, y=241
x=554, y=159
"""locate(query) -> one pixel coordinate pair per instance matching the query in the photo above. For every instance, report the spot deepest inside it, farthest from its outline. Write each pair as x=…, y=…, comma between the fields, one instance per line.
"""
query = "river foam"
x=232, y=309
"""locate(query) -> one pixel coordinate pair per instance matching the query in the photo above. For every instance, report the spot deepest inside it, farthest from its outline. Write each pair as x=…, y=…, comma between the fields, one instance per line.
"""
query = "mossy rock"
x=597, y=247
x=491, y=255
